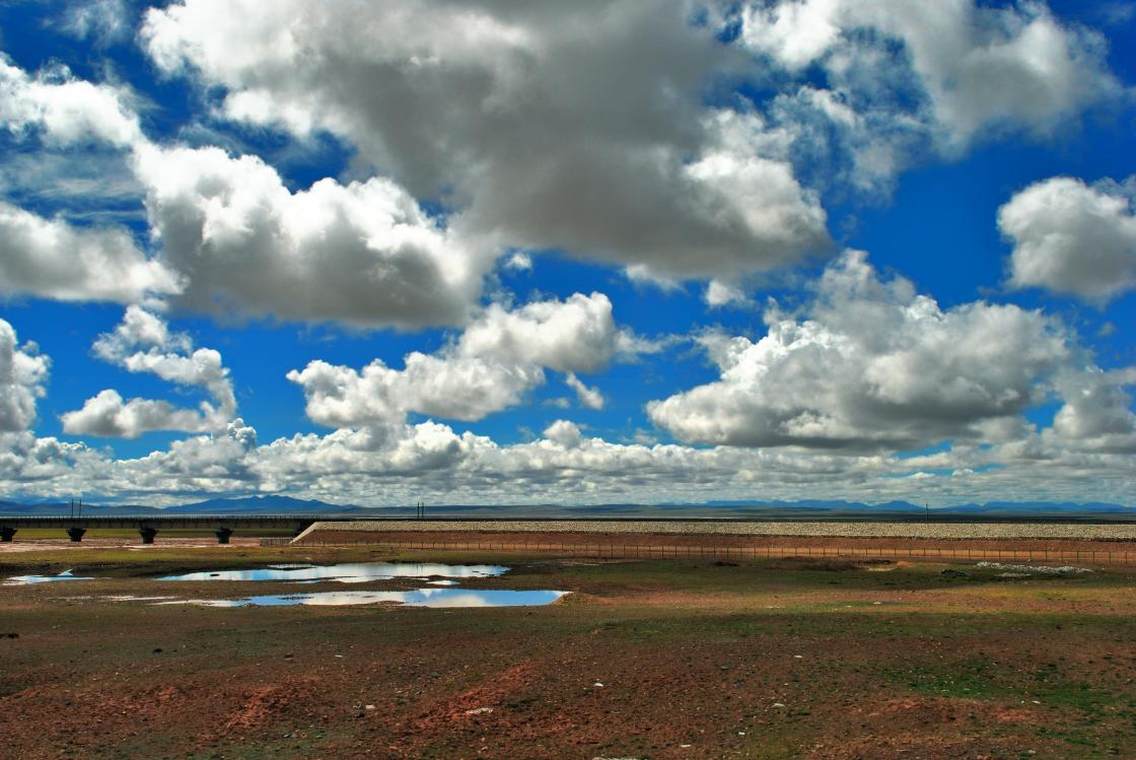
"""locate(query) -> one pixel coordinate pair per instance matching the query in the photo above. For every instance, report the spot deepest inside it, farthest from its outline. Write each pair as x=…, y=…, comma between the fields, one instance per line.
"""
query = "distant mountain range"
x=273, y=504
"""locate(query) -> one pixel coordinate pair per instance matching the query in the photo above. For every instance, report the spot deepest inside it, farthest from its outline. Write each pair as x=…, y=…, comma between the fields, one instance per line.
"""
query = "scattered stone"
x=1035, y=569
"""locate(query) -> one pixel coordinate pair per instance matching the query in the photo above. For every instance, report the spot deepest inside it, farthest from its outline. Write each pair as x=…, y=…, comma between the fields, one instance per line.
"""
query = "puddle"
x=29, y=580
x=350, y=572
x=425, y=597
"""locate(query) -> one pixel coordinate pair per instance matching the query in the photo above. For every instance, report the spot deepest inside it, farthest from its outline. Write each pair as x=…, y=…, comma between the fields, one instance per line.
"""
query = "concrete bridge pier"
x=147, y=533
x=223, y=534
x=75, y=533
x=7, y=533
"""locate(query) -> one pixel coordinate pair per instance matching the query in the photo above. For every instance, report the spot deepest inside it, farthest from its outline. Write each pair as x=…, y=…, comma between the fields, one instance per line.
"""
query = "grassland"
x=650, y=659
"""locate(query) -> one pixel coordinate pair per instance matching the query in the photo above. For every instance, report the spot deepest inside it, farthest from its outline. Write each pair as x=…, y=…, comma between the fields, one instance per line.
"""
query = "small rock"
x=778, y=704
x=479, y=711
x=598, y=685
x=157, y=650
x=368, y=707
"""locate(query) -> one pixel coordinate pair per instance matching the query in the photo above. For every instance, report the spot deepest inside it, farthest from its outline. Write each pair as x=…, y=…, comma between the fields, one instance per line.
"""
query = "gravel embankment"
x=1111, y=532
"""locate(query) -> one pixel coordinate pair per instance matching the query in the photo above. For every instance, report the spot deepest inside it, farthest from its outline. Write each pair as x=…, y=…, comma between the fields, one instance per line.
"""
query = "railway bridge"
x=148, y=526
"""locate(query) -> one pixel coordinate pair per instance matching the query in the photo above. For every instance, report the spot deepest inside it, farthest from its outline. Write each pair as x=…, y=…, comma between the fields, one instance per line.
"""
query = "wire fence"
x=614, y=550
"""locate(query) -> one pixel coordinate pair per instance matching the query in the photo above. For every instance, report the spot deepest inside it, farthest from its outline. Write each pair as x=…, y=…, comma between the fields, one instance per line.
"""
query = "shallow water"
x=349, y=572
x=425, y=597
x=29, y=580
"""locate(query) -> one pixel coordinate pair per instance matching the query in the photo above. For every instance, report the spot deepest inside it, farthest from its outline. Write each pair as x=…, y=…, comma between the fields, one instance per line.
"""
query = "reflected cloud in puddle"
x=350, y=572
x=426, y=597
x=31, y=580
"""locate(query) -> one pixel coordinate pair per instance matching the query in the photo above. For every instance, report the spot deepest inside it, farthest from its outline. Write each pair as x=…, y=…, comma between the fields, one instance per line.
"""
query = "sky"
x=475, y=251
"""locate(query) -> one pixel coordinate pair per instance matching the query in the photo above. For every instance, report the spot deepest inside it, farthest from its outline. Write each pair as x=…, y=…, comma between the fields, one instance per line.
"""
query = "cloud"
x=589, y=397
x=864, y=90
x=65, y=110
x=51, y=258
x=23, y=372
x=104, y=21
x=719, y=294
x=108, y=415
x=233, y=238
x=431, y=461
x=978, y=68
x=1097, y=413
x=873, y=364
x=142, y=342
x=499, y=357
x=564, y=433
x=364, y=253
x=552, y=126
x=1071, y=237
x=519, y=262
x=575, y=334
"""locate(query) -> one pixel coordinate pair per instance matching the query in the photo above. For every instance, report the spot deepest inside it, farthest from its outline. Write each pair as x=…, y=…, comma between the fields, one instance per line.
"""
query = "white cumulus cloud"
x=23, y=372
x=142, y=342
x=65, y=110
x=873, y=363
x=980, y=68
x=52, y=258
x=1072, y=237
x=561, y=125
x=363, y=253
x=500, y=356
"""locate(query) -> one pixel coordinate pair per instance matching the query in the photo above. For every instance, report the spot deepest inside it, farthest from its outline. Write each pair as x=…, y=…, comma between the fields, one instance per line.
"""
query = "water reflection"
x=349, y=572
x=425, y=597
x=29, y=580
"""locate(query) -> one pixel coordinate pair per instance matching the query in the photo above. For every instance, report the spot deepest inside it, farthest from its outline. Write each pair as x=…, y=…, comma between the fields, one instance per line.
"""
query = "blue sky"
x=473, y=253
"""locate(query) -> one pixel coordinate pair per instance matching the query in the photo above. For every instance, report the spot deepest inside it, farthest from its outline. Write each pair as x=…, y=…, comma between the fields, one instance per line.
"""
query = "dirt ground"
x=644, y=659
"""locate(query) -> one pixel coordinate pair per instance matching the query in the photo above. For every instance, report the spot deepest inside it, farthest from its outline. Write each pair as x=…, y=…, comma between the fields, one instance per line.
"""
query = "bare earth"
x=686, y=658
